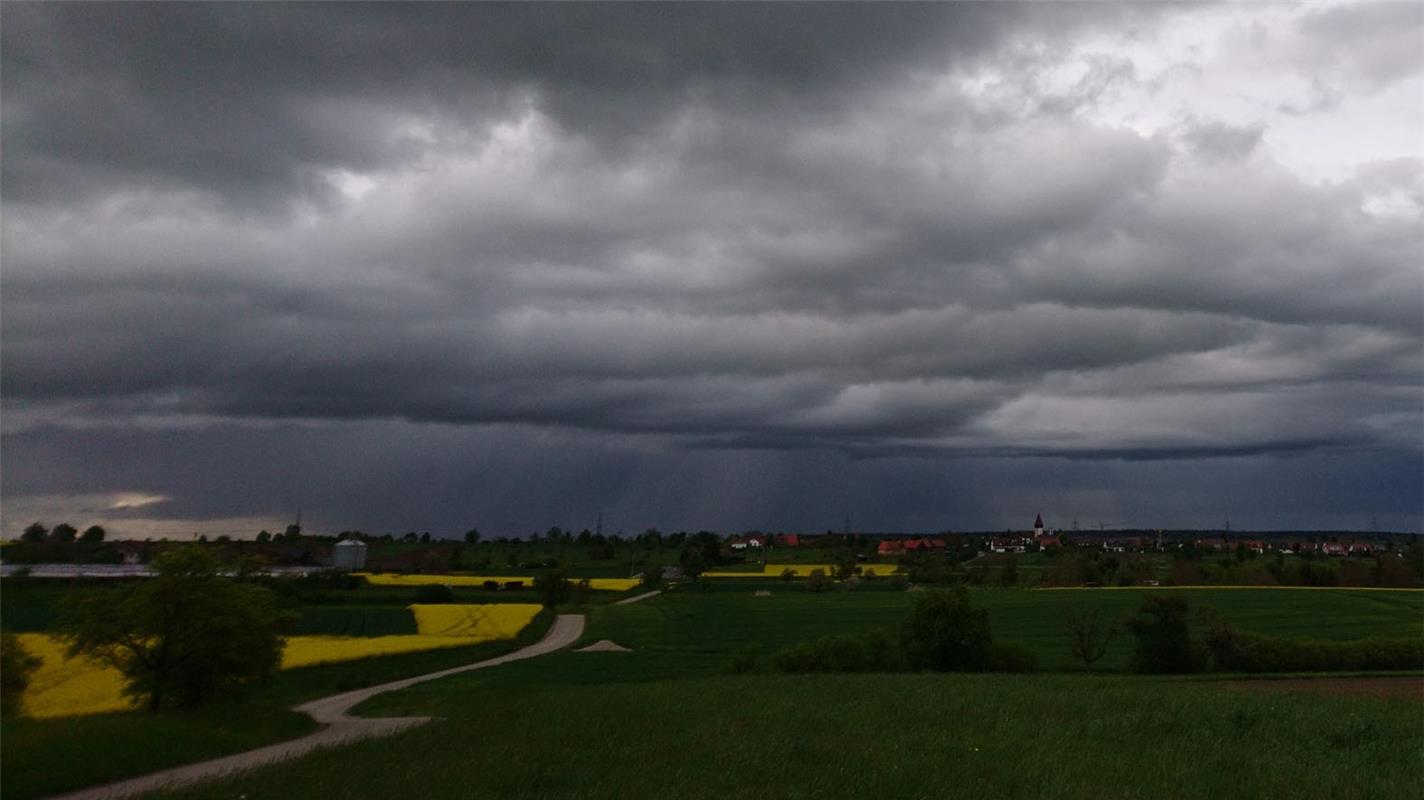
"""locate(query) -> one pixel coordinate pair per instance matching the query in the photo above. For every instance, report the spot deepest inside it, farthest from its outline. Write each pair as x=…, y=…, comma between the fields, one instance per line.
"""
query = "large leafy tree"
x=184, y=636
x=946, y=633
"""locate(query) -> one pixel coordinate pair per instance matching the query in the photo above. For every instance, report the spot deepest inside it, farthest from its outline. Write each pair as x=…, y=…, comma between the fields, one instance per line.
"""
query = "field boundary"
x=341, y=728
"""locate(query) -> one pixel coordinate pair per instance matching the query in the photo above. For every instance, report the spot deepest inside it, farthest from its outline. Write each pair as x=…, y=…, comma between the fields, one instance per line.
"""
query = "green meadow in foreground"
x=869, y=736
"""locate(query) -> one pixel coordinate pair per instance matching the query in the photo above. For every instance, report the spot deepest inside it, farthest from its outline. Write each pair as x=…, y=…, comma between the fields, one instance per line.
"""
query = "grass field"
x=870, y=736
x=703, y=630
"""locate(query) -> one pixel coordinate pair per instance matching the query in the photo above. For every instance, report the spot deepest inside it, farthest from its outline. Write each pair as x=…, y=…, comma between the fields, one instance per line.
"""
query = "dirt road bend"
x=331, y=712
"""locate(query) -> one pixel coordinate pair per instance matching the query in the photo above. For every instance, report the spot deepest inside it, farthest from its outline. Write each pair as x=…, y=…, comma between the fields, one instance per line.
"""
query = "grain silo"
x=349, y=554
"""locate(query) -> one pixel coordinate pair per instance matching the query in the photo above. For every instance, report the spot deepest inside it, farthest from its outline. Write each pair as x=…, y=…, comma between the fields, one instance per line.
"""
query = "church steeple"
x=1037, y=524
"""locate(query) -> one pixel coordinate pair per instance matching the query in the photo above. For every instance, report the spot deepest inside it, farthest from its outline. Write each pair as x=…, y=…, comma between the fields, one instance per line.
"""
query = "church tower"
x=1038, y=526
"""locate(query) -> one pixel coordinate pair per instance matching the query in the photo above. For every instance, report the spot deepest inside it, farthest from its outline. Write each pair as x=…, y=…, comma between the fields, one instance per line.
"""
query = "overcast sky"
x=928, y=267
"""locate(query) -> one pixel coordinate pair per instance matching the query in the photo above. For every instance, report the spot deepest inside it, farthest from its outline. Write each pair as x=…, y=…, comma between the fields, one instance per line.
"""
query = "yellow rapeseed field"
x=485, y=622
x=602, y=584
x=800, y=570
x=67, y=687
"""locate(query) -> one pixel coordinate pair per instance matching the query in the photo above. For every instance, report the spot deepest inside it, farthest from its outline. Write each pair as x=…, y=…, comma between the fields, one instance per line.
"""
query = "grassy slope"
x=43, y=757
x=871, y=736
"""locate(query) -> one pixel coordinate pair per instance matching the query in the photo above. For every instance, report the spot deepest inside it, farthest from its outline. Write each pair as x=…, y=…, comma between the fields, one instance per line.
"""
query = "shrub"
x=554, y=588
x=432, y=593
x=868, y=652
x=16, y=666
x=1252, y=653
x=1162, y=641
x=817, y=581
x=787, y=574
x=744, y=663
x=1005, y=657
x=946, y=633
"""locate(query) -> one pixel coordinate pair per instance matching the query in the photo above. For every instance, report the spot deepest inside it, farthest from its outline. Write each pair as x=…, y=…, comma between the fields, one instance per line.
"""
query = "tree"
x=93, y=534
x=264, y=537
x=1009, y=573
x=425, y=538
x=472, y=536
x=554, y=588
x=1162, y=636
x=946, y=633
x=183, y=636
x=1089, y=633
x=63, y=533
x=35, y=533
x=692, y=562
x=292, y=533
x=16, y=666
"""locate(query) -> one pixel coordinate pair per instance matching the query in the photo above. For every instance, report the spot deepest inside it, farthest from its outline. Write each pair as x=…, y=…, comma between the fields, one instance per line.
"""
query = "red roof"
x=790, y=540
x=889, y=547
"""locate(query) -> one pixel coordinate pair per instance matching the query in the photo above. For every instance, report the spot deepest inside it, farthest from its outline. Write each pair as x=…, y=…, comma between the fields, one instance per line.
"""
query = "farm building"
x=349, y=554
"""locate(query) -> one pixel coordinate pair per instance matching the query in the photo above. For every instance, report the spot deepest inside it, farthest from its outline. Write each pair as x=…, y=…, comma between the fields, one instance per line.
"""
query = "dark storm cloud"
x=841, y=231
x=254, y=98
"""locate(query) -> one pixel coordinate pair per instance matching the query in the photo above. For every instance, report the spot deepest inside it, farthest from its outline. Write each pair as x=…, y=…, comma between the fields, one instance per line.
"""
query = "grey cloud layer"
x=735, y=226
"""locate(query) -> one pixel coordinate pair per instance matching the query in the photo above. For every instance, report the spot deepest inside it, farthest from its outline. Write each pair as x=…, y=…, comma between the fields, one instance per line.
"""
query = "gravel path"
x=332, y=712
x=635, y=598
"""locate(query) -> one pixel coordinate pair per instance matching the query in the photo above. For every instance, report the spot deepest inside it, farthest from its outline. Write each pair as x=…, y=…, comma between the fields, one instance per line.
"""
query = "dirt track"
x=331, y=711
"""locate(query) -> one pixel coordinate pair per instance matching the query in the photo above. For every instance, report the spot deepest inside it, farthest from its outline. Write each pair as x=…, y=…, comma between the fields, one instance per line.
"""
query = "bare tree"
x=1090, y=631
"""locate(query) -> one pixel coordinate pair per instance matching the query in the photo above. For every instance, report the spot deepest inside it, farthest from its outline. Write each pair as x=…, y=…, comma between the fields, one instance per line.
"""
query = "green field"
x=695, y=629
x=869, y=736
x=355, y=621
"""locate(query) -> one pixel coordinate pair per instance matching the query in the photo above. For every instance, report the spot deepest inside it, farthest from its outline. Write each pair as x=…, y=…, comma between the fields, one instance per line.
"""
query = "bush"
x=1250, y=653
x=946, y=633
x=1004, y=657
x=744, y=663
x=788, y=574
x=1162, y=641
x=864, y=653
x=817, y=581
x=554, y=588
x=434, y=593
x=16, y=666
